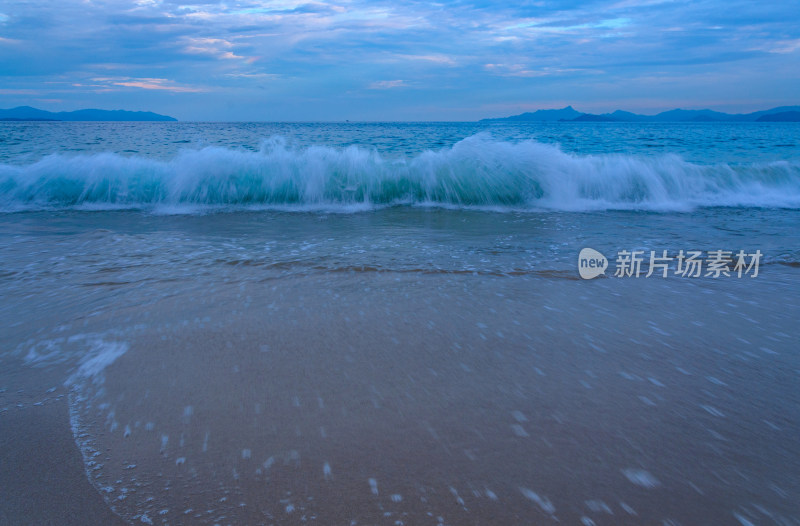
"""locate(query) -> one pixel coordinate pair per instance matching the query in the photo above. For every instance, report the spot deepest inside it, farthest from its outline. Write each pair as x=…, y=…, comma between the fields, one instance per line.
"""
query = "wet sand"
x=390, y=399
x=42, y=475
x=213, y=385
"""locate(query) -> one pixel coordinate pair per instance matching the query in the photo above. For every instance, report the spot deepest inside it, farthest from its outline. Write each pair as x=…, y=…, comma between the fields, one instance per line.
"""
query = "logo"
x=685, y=264
x=591, y=263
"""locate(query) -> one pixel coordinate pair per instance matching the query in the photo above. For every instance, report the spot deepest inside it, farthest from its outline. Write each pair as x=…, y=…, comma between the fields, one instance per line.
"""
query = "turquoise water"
x=372, y=323
x=189, y=167
x=703, y=143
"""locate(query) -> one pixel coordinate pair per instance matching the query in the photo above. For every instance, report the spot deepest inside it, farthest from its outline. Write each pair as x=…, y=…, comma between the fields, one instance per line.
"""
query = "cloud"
x=627, y=4
x=522, y=70
x=387, y=84
x=455, y=55
x=439, y=59
x=512, y=70
x=785, y=46
x=258, y=76
x=214, y=47
x=4, y=91
x=146, y=84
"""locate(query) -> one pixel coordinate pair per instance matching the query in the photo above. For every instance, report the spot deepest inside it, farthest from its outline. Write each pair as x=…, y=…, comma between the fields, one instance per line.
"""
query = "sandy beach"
x=363, y=399
x=42, y=475
x=204, y=358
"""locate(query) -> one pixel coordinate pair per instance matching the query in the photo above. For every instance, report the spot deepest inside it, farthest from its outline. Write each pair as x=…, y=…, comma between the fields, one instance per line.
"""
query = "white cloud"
x=260, y=76
x=624, y=4
x=434, y=58
x=523, y=70
x=107, y=83
x=387, y=84
x=786, y=46
x=213, y=47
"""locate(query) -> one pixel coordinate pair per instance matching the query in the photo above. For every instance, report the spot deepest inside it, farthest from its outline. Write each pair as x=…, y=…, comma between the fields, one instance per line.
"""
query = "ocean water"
x=385, y=323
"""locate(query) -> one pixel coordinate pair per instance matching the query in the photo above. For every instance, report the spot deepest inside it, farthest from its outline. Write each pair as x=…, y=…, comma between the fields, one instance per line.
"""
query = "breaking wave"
x=476, y=172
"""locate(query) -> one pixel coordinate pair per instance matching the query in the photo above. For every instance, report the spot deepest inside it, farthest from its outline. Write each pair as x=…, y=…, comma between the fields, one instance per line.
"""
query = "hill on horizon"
x=27, y=113
x=569, y=114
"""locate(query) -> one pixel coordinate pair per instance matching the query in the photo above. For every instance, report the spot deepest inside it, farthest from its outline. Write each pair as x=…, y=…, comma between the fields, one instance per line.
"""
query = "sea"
x=411, y=323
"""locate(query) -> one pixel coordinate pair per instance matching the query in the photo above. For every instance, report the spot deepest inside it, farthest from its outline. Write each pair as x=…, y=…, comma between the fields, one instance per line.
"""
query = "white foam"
x=543, y=502
x=743, y=521
x=641, y=478
x=712, y=410
x=454, y=491
x=598, y=506
x=479, y=172
x=519, y=430
x=101, y=354
x=518, y=416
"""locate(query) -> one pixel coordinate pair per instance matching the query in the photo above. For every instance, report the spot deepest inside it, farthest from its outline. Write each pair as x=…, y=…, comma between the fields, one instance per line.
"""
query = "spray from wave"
x=476, y=172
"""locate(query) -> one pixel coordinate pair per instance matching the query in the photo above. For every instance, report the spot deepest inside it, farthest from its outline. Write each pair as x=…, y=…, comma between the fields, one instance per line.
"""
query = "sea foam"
x=479, y=171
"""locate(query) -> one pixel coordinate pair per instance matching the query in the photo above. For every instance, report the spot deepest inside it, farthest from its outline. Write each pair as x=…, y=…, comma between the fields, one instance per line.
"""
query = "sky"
x=296, y=60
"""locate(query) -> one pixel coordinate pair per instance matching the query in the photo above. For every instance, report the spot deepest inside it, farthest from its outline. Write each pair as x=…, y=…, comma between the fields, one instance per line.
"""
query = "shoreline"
x=239, y=369
x=381, y=407
x=42, y=473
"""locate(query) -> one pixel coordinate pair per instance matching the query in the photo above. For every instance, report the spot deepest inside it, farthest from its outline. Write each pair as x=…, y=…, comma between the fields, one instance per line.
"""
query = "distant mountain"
x=627, y=116
x=26, y=113
x=691, y=116
x=543, y=115
x=782, y=109
x=588, y=117
x=569, y=114
x=784, y=116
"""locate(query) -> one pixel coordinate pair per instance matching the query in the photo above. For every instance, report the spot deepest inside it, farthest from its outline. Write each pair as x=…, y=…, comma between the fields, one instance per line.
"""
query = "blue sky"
x=398, y=60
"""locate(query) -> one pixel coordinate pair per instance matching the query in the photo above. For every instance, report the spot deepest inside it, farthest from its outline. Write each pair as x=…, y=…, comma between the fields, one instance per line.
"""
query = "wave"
x=479, y=171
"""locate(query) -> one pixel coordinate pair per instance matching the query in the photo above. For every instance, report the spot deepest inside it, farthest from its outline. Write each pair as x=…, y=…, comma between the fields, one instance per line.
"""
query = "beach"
x=405, y=363
x=42, y=474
